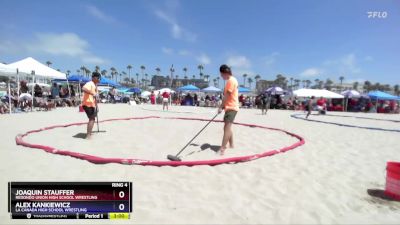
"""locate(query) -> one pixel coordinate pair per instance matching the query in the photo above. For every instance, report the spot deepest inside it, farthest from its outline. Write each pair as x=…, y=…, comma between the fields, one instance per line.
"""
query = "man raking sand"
x=89, y=102
x=230, y=104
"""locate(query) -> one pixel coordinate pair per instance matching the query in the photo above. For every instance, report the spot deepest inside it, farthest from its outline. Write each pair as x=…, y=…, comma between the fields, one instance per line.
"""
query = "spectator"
x=111, y=95
x=38, y=91
x=165, y=100
x=55, y=91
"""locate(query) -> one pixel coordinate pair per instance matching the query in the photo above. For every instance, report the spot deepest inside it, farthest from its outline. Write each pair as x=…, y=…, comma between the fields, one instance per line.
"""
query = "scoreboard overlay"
x=70, y=200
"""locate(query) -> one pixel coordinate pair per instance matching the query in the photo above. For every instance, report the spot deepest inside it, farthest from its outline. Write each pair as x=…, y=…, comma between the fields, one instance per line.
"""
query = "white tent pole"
x=33, y=81
x=69, y=91
x=18, y=87
x=79, y=89
x=9, y=93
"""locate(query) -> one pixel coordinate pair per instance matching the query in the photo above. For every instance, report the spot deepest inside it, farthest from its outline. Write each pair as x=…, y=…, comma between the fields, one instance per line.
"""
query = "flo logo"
x=377, y=14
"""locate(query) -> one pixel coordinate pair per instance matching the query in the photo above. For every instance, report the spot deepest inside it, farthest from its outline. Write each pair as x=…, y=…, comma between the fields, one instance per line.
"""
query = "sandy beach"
x=324, y=181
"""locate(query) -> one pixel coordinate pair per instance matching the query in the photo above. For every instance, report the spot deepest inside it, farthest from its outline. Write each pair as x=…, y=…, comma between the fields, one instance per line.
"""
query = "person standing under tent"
x=165, y=100
x=89, y=102
x=152, y=98
x=309, y=106
x=321, y=105
x=264, y=103
x=230, y=104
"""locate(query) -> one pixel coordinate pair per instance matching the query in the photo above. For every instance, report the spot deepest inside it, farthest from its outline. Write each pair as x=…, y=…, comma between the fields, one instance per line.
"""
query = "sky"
x=303, y=39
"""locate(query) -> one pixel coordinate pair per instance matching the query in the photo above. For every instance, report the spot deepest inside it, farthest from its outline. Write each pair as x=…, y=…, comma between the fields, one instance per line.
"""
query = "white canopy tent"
x=316, y=93
x=30, y=66
x=8, y=71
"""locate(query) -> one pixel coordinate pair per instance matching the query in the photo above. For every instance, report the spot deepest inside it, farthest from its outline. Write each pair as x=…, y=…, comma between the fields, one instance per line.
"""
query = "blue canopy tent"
x=79, y=79
x=134, y=90
x=244, y=90
x=379, y=95
x=74, y=79
x=107, y=82
x=211, y=89
x=189, y=88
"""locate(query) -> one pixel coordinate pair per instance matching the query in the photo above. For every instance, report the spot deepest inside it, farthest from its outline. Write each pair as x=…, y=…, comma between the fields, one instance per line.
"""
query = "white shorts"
x=25, y=96
x=165, y=100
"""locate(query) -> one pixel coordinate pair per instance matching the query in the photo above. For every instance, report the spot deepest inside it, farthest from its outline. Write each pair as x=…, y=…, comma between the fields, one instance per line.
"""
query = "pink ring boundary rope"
x=100, y=160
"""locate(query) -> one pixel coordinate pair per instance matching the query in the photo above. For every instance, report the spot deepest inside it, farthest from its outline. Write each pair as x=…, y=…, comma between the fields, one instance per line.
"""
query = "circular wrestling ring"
x=299, y=116
x=101, y=160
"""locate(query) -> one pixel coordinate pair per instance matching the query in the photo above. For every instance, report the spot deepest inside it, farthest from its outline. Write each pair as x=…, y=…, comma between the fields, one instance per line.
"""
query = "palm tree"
x=257, y=78
x=123, y=74
x=291, y=83
x=49, y=63
x=341, y=78
x=172, y=70
x=320, y=84
x=158, y=71
x=280, y=81
x=113, y=72
x=250, y=81
x=185, y=70
x=68, y=72
x=129, y=67
x=88, y=72
x=97, y=68
x=396, y=89
x=207, y=78
x=137, y=79
x=215, y=82
x=78, y=71
x=355, y=85
x=142, y=68
x=308, y=83
x=120, y=77
x=328, y=84
x=244, y=80
x=297, y=83
x=316, y=82
x=83, y=69
x=145, y=83
x=104, y=73
x=186, y=77
x=218, y=81
x=200, y=67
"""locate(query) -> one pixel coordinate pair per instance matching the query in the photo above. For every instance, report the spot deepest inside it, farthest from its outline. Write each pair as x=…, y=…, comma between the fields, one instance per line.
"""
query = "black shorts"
x=230, y=116
x=90, y=112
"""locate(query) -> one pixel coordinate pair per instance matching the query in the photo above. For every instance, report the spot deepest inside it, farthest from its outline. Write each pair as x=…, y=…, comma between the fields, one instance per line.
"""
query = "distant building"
x=160, y=81
x=262, y=85
x=337, y=87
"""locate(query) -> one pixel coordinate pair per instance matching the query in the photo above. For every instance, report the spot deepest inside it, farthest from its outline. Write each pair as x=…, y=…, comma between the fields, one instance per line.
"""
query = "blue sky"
x=305, y=39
